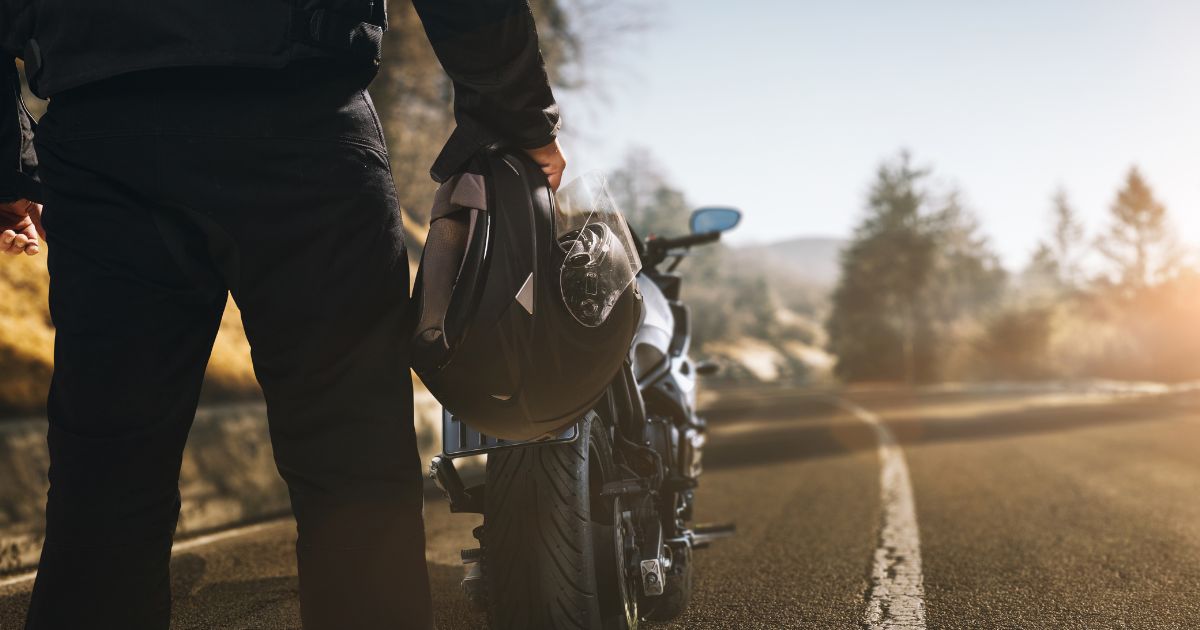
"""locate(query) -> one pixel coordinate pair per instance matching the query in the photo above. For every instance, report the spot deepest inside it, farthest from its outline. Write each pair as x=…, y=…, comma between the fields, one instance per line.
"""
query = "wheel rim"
x=618, y=595
x=627, y=588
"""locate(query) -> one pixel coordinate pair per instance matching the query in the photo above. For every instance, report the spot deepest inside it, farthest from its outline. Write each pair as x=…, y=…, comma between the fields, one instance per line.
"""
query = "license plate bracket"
x=460, y=440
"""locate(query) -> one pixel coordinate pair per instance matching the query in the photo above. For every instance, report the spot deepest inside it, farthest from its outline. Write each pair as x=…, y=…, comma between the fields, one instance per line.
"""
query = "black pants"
x=165, y=192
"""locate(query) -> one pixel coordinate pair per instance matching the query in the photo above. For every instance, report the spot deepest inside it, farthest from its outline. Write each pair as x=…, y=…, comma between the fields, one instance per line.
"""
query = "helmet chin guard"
x=525, y=309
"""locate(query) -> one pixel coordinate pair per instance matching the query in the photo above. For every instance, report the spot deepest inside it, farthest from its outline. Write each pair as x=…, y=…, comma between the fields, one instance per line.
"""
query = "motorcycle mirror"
x=714, y=219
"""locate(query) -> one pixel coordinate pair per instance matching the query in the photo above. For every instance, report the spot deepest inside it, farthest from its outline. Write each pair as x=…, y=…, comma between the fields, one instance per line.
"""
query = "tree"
x=915, y=266
x=650, y=203
x=966, y=272
x=1054, y=268
x=1139, y=245
x=875, y=321
x=1067, y=238
x=1065, y=247
x=1014, y=343
x=1041, y=279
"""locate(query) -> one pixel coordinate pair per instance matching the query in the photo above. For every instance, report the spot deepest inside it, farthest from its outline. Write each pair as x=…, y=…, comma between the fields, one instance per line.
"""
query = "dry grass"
x=230, y=374
x=27, y=343
x=26, y=335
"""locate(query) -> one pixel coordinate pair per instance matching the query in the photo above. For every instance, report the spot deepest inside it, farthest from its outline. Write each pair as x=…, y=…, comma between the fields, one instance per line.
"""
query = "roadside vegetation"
x=922, y=297
x=916, y=295
x=919, y=296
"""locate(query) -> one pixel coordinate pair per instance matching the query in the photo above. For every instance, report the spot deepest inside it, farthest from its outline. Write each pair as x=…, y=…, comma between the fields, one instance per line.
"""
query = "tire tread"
x=538, y=555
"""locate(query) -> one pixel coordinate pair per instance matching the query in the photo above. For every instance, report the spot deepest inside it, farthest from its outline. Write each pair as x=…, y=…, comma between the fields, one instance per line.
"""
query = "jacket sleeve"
x=489, y=48
x=18, y=162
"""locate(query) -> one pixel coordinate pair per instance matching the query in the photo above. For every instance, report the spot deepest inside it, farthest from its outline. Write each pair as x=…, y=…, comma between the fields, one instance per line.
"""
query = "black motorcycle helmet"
x=525, y=309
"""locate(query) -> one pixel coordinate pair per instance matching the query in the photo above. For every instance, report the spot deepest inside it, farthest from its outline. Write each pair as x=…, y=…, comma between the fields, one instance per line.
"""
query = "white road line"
x=896, y=600
x=17, y=579
x=176, y=548
x=237, y=532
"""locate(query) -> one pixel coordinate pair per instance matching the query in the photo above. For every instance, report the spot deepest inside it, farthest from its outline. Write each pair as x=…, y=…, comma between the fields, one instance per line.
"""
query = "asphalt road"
x=1016, y=509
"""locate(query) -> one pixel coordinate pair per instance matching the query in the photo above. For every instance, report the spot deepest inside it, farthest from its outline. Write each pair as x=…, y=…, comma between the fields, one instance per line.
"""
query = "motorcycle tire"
x=543, y=516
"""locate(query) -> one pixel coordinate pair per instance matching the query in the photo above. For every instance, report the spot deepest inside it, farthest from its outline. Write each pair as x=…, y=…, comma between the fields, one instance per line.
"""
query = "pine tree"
x=876, y=317
x=1055, y=267
x=1066, y=240
x=915, y=266
x=1139, y=245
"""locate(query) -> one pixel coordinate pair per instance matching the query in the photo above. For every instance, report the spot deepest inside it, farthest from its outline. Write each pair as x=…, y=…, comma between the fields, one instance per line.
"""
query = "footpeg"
x=704, y=534
x=471, y=556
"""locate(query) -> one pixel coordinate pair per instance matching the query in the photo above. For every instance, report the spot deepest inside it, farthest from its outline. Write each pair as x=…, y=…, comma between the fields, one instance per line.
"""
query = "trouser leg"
x=133, y=338
x=288, y=182
x=322, y=282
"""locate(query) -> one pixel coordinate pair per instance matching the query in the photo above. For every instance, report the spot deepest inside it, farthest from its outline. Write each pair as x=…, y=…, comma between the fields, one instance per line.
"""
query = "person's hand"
x=552, y=160
x=21, y=227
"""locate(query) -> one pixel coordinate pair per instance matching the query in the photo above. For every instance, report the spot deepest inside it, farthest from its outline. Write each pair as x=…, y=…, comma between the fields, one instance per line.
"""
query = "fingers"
x=552, y=161
x=19, y=243
x=32, y=242
x=553, y=168
x=20, y=214
x=554, y=176
x=22, y=223
x=8, y=241
x=15, y=244
x=35, y=215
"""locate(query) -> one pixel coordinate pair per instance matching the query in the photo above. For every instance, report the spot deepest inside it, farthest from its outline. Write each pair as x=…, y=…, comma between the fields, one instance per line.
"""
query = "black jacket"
x=489, y=48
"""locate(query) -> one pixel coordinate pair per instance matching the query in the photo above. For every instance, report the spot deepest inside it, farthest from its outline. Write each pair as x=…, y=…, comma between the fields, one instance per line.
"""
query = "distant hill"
x=811, y=260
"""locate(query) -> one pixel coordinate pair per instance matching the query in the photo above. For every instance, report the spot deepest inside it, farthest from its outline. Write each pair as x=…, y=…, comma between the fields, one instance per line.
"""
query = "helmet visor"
x=599, y=257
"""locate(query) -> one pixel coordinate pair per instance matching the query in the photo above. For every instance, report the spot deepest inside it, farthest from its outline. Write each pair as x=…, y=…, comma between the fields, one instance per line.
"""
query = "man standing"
x=194, y=149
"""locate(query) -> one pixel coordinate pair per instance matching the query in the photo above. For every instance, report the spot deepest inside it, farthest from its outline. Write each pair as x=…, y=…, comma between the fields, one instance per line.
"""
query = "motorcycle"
x=591, y=529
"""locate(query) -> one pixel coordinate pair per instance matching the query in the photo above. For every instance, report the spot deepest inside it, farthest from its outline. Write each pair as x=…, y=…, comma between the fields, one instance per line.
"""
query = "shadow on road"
x=788, y=433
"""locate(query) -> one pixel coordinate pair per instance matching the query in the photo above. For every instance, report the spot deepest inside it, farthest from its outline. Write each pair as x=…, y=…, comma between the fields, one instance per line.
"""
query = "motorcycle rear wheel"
x=548, y=554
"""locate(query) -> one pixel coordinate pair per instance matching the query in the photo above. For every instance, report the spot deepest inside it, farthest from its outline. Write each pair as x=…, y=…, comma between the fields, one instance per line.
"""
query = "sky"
x=785, y=108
